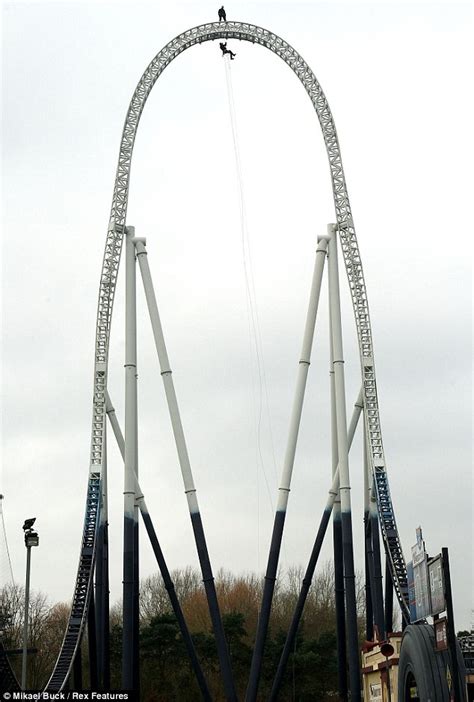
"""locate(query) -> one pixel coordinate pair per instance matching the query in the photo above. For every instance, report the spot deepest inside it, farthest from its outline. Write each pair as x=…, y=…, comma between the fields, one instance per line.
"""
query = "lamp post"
x=31, y=539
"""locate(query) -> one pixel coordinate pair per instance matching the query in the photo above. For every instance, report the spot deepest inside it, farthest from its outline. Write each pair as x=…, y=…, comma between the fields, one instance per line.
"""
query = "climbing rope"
x=252, y=309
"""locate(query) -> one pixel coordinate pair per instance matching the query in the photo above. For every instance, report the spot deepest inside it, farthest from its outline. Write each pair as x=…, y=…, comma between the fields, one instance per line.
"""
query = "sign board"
x=375, y=692
x=411, y=591
x=418, y=551
x=422, y=591
x=436, y=584
x=441, y=635
x=420, y=576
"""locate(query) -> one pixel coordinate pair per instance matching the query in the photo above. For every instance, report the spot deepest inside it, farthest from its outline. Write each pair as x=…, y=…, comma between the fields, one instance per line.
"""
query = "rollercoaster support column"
x=130, y=623
x=374, y=555
x=160, y=559
x=388, y=599
x=450, y=630
x=337, y=542
x=369, y=612
x=92, y=643
x=102, y=586
x=284, y=489
x=189, y=487
x=308, y=577
x=342, y=450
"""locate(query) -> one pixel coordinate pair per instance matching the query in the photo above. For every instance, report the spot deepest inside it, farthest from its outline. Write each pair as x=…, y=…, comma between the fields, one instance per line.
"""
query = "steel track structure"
x=108, y=279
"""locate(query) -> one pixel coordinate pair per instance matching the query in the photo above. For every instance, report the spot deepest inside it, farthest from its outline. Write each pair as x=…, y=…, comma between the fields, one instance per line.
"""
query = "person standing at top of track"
x=225, y=50
x=222, y=15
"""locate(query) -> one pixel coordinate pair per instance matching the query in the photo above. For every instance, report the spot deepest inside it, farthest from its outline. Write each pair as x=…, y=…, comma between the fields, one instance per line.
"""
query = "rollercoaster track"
x=113, y=246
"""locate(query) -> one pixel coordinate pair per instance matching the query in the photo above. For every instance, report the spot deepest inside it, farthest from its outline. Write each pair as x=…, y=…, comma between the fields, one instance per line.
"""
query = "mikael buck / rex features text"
x=70, y=695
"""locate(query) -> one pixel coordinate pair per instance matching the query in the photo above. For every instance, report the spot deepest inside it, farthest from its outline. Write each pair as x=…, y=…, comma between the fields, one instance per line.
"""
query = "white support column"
x=285, y=482
x=338, y=364
x=343, y=462
x=131, y=452
x=189, y=488
x=304, y=363
x=166, y=374
x=131, y=439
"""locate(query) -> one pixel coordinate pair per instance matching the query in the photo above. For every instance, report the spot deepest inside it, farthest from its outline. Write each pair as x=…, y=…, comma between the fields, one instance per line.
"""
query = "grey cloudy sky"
x=396, y=78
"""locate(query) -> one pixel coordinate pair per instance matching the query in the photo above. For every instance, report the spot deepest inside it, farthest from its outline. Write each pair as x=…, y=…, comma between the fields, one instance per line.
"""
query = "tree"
x=45, y=631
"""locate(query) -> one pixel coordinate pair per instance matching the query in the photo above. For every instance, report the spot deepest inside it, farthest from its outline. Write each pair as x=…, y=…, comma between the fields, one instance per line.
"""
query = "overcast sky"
x=396, y=77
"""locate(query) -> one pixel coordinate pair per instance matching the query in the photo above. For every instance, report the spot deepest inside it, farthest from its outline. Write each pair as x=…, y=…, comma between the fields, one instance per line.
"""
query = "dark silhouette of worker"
x=225, y=50
x=221, y=13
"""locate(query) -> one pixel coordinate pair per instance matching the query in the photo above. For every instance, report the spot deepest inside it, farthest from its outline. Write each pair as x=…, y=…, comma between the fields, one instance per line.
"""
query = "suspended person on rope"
x=222, y=16
x=225, y=50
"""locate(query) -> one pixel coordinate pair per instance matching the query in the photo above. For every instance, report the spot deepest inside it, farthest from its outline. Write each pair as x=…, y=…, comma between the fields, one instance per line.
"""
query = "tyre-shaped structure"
x=422, y=671
x=113, y=246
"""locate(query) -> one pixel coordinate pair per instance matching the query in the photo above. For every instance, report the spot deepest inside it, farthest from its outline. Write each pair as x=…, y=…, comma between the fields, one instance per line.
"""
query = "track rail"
x=82, y=591
x=113, y=246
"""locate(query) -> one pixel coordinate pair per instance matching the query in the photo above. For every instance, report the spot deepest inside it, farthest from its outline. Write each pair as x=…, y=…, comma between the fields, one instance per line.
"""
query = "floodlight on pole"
x=31, y=539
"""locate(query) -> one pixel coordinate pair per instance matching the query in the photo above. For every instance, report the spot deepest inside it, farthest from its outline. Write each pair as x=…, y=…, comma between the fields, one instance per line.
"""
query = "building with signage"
x=379, y=671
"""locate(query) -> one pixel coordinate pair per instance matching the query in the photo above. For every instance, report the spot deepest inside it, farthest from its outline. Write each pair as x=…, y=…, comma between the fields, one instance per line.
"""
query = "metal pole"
x=388, y=599
x=129, y=623
x=99, y=598
x=25, y=621
x=189, y=487
x=105, y=622
x=284, y=489
x=306, y=584
x=450, y=630
x=136, y=576
x=344, y=488
x=378, y=579
x=165, y=574
x=92, y=641
x=373, y=547
x=389, y=687
x=102, y=585
x=369, y=613
x=110, y=409
x=337, y=543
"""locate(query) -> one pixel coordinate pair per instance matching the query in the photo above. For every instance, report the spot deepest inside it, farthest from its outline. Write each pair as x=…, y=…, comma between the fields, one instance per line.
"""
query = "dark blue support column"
x=99, y=598
x=291, y=636
x=377, y=593
x=105, y=665
x=340, y=607
x=169, y=585
x=388, y=599
x=136, y=606
x=264, y=618
x=128, y=603
x=351, y=607
x=369, y=612
x=102, y=607
x=94, y=682
x=208, y=580
x=450, y=629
